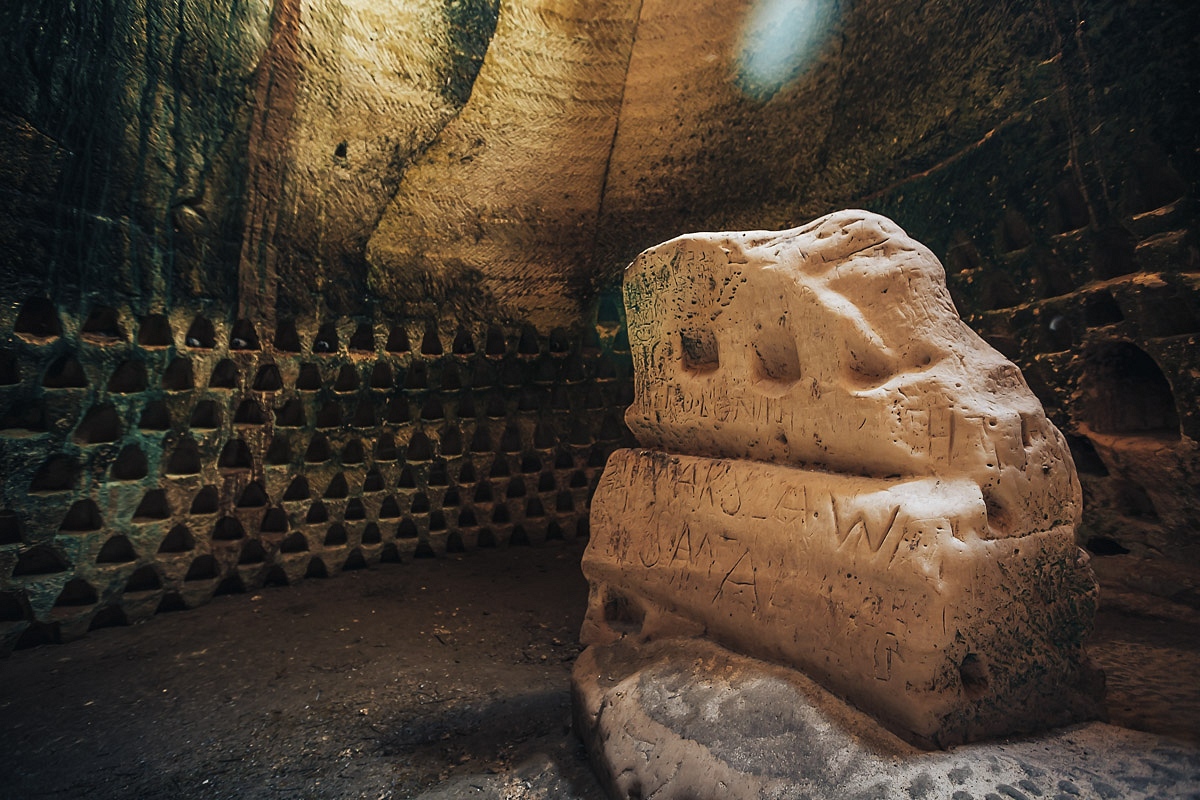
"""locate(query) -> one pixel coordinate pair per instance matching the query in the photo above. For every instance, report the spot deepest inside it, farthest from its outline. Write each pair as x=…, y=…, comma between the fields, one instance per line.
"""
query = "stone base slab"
x=887, y=591
x=685, y=718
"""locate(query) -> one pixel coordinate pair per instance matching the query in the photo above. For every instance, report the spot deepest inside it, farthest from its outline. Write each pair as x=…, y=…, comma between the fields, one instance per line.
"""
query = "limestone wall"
x=479, y=163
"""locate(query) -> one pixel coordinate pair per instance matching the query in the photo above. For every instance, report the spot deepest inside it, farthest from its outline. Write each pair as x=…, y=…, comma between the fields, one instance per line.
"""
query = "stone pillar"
x=841, y=477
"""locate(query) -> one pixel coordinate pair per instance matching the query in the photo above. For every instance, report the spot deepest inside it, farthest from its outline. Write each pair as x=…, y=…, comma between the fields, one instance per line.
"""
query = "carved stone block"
x=844, y=478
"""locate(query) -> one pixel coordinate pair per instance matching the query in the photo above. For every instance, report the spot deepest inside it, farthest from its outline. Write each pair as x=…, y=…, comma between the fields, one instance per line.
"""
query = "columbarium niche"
x=840, y=476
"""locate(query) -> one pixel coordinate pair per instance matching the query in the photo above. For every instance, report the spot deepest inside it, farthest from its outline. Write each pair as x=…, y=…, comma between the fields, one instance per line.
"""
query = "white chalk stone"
x=836, y=345
x=881, y=589
x=844, y=478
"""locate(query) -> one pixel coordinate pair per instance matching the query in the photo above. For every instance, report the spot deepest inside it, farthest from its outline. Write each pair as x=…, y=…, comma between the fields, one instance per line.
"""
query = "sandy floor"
x=446, y=677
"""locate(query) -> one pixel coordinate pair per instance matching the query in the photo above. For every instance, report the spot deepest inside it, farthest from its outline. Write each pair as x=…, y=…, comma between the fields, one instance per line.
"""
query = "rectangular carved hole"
x=699, y=346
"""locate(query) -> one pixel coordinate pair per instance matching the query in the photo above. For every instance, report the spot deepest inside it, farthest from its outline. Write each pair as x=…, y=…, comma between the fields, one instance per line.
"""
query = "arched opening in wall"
x=59, y=474
x=10, y=527
x=201, y=335
x=252, y=553
x=419, y=447
x=290, y=414
x=416, y=377
x=228, y=529
x=336, y=536
x=82, y=517
x=144, y=579
x=268, y=379
x=103, y=326
x=397, y=341
x=326, y=340
x=451, y=380
x=397, y=410
x=1087, y=460
x=451, y=441
x=100, y=424
x=117, y=550
x=1125, y=392
x=318, y=450
x=108, y=617
x=431, y=344
x=528, y=344
x=337, y=488
x=253, y=496
x=287, y=339
x=309, y=378
x=274, y=521
x=177, y=377
x=1100, y=309
x=224, y=375
x=1013, y=233
x=128, y=378
x=37, y=321
x=363, y=339
x=1113, y=252
x=296, y=543
x=155, y=331
x=154, y=505
x=40, y=560
x=249, y=413
x=381, y=376
x=1154, y=181
x=235, y=456
x=297, y=489
x=206, y=416
x=389, y=508
x=207, y=501
x=494, y=344
x=243, y=336
x=203, y=568
x=355, y=510
x=65, y=373
x=353, y=452
x=432, y=409
x=24, y=416
x=317, y=513
x=329, y=415
x=155, y=417
x=279, y=452
x=178, y=540
x=1070, y=208
x=347, y=379
x=77, y=592
x=463, y=344
x=483, y=375
x=364, y=415
x=131, y=464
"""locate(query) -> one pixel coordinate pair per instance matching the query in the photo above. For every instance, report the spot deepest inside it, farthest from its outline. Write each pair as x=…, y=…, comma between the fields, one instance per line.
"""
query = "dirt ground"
x=440, y=678
x=378, y=683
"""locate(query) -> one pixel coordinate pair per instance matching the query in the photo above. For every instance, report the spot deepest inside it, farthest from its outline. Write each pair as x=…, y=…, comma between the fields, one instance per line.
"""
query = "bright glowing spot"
x=780, y=41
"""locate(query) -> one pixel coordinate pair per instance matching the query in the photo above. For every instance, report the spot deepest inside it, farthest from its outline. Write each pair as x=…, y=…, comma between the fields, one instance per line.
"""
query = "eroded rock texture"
x=870, y=492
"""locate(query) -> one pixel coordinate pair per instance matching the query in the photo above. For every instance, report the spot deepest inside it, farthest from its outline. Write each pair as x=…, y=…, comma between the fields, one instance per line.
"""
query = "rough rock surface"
x=688, y=719
x=929, y=572
x=836, y=345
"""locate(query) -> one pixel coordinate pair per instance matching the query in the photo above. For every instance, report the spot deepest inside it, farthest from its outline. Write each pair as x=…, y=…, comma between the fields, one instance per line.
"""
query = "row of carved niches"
x=1104, y=322
x=150, y=463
